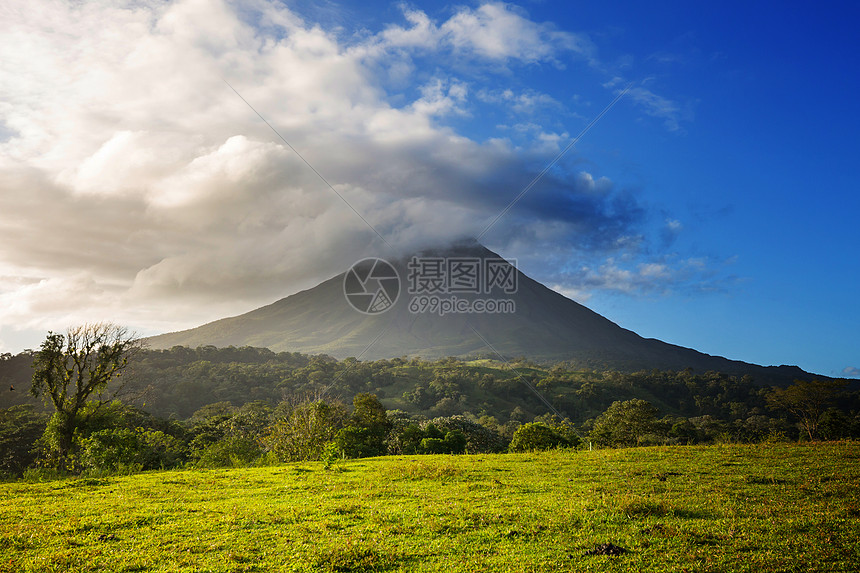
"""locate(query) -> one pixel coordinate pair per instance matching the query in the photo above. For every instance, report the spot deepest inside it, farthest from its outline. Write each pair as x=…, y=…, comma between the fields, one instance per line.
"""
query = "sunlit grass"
x=774, y=507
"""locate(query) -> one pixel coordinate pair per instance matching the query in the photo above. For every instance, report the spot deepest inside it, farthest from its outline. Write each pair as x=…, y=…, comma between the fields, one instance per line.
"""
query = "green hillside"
x=721, y=508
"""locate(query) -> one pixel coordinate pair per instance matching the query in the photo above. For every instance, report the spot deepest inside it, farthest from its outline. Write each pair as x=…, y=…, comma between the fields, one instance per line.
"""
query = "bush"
x=20, y=429
x=109, y=438
x=355, y=442
x=111, y=451
x=430, y=439
x=121, y=449
x=479, y=439
x=625, y=423
x=232, y=451
x=454, y=442
x=537, y=436
x=303, y=432
x=160, y=450
x=407, y=441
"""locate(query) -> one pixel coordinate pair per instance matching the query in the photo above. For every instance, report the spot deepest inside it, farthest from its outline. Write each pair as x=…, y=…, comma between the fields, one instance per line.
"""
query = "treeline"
x=116, y=437
x=235, y=406
x=176, y=383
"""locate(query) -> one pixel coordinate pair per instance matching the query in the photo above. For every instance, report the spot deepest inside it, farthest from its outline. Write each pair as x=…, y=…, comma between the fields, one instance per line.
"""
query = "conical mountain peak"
x=459, y=300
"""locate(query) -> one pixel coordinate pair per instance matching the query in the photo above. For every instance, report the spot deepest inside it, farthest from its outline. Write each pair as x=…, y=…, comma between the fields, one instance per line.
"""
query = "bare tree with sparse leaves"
x=74, y=370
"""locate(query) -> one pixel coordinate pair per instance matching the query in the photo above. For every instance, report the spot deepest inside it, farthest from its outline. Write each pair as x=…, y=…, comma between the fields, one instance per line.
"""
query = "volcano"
x=376, y=310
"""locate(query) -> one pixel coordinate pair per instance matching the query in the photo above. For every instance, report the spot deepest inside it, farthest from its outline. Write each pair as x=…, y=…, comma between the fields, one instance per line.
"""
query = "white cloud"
x=494, y=31
x=139, y=188
x=578, y=295
x=851, y=372
x=527, y=102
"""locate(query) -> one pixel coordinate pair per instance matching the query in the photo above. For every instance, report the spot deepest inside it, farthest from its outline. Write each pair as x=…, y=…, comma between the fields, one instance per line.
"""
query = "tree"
x=479, y=439
x=71, y=369
x=806, y=400
x=625, y=423
x=453, y=442
x=538, y=436
x=302, y=433
x=368, y=429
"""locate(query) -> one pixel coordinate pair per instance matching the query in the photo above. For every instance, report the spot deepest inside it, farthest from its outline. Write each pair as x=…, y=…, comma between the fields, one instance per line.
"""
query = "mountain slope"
x=545, y=326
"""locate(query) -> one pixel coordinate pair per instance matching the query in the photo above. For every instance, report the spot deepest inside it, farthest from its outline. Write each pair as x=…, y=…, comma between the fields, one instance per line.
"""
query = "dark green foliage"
x=479, y=439
x=684, y=432
x=564, y=428
x=111, y=450
x=160, y=450
x=224, y=436
x=625, y=423
x=708, y=429
x=116, y=437
x=20, y=428
x=430, y=439
x=182, y=380
x=407, y=440
x=451, y=442
x=230, y=451
x=227, y=397
x=807, y=401
x=369, y=427
x=16, y=375
x=536, y=436
x=835, y=424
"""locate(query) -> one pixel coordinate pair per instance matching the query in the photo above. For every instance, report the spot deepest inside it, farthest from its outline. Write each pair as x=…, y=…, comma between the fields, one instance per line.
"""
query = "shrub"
x=625, y=423
x=232, y=451
x=110, y=450
x=454, y=442
x=537, y=436
x=407, y=441
x=356, y=442
x=330, y=454
x=160, y=450
x=479, y=439
x=369, y=426
x=20, y=428
x=304, y=431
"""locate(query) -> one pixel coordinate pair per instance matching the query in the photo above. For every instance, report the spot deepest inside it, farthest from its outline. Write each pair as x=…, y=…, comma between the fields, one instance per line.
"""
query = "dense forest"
x=211, y=406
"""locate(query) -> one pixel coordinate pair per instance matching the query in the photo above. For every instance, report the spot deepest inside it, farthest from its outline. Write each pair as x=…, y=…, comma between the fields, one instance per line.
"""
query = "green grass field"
x=779, y=507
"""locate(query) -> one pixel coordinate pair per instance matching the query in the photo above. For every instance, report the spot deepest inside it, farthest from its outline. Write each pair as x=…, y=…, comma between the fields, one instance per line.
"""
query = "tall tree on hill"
x=72, y=372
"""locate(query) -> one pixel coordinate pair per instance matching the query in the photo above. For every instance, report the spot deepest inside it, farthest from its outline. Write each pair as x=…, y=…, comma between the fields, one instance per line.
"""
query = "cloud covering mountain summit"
x=139, y=188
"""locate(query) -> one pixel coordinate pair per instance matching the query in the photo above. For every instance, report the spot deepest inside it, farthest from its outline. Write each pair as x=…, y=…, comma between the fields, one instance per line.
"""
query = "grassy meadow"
x=765, y=507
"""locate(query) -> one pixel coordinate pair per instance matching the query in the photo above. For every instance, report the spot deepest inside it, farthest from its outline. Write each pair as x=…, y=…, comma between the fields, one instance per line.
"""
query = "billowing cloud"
x=493, y=31
x=851, y=372
x=138, y=187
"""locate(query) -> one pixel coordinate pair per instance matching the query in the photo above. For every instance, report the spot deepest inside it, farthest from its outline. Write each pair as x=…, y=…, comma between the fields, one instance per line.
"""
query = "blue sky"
x=713, y=206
